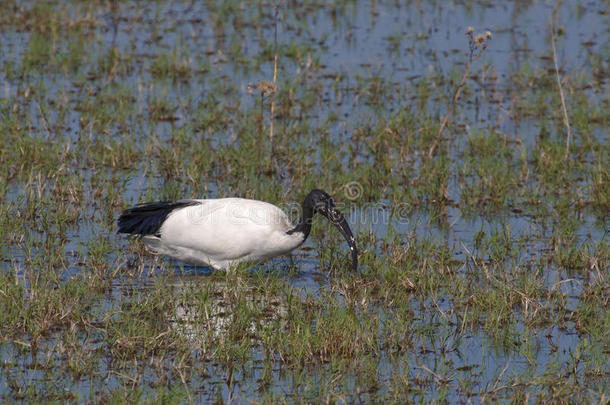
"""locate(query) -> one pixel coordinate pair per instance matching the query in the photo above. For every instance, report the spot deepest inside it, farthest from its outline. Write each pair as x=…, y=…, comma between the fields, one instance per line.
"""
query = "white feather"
x=224, y=232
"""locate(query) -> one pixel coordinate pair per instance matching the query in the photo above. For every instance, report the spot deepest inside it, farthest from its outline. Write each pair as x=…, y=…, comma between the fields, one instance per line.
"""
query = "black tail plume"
x=147, y=218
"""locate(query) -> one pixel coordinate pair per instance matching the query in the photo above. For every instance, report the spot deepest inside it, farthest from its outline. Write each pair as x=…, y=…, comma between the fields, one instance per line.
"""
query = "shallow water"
x=360, y=63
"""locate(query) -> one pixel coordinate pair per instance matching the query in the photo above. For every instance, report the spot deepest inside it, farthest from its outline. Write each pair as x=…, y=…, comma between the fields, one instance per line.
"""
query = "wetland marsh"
x=478, y=190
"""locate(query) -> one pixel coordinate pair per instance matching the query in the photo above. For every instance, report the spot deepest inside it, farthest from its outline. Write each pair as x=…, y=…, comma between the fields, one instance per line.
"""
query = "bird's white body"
x=224, y=232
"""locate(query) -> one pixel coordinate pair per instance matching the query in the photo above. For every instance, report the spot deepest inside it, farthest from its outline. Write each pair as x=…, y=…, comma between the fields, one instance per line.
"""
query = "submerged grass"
x=484, y=249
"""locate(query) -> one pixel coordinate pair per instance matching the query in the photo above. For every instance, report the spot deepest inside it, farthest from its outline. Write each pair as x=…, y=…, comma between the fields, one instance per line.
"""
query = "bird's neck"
x=304, y=225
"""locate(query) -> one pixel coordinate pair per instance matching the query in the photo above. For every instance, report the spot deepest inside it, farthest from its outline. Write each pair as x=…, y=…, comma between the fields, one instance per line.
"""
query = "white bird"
x=221, y=233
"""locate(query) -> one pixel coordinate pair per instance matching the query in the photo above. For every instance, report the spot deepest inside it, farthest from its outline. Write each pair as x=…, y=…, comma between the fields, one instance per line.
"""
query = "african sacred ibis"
x=224, y=232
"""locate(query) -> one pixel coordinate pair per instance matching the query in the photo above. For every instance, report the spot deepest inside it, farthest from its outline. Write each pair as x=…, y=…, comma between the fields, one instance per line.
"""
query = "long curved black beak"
x=336, y=217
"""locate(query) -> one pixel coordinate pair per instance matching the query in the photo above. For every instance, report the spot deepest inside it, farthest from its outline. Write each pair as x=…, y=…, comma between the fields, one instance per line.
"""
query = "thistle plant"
x=477, y=45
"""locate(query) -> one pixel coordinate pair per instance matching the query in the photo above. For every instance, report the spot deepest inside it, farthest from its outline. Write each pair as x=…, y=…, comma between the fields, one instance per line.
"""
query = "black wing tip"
x=148, y=218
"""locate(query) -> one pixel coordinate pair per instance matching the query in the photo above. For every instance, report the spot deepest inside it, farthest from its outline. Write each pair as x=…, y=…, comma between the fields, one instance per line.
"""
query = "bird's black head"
x=321, y=202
